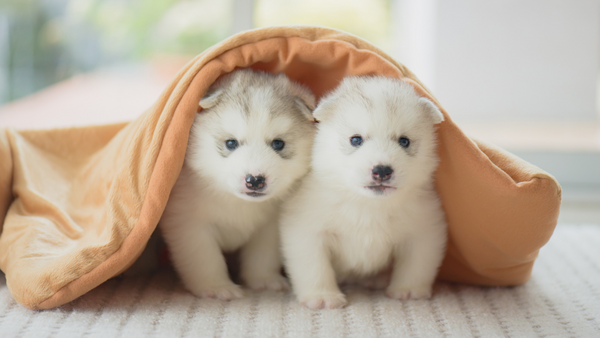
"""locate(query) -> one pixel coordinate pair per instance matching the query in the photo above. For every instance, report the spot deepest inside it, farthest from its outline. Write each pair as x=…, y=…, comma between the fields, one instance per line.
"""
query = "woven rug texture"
x=562, y=299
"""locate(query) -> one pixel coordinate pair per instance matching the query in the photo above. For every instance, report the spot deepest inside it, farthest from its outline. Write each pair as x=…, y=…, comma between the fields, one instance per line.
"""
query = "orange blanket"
x=79, y=204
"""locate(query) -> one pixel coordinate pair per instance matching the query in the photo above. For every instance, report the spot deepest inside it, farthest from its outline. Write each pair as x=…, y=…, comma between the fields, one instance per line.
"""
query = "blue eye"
x=356, y=141
x=404, y=142
x=231, y=144
x=278, y=144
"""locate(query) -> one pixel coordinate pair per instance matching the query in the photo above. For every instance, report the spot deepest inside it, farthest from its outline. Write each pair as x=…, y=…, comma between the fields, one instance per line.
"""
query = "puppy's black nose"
x=382, y=173
x=255, y=182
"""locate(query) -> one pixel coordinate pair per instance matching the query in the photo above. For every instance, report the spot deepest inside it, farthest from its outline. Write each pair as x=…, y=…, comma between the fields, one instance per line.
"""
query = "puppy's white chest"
x=236, y=220
x=362, y=247
x=363, y=253
x=231, y=213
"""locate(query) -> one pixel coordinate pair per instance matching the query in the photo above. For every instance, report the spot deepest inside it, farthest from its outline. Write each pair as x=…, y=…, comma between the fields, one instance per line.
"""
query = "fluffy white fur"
x=343, y=224
x=211, y=209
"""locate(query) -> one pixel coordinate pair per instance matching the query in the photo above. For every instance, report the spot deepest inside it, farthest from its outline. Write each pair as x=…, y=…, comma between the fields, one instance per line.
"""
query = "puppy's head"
x=375, y=136
x=254, y=136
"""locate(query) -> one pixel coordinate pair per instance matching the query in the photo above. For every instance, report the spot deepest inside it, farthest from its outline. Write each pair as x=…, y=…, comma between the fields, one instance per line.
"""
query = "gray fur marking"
x=239, y=90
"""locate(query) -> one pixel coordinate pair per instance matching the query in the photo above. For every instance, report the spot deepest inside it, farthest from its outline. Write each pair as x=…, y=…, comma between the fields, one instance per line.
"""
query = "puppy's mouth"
x=255, y=194
x=380, y=188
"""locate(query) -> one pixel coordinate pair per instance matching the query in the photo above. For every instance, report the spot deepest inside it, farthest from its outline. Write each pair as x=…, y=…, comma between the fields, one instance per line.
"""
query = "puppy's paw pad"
x=409, y=293
x=227, y=292
x=328, y=301
x=275, y=283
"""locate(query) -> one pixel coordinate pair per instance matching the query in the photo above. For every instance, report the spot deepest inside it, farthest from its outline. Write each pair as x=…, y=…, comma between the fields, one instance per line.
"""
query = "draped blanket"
x=79, y=204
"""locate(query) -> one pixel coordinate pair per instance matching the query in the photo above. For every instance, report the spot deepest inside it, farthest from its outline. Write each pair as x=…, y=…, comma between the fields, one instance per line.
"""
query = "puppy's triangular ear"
x=325, y=107
x=305, y=108
x=432, y=110
x=211, y=98
x=305, y=100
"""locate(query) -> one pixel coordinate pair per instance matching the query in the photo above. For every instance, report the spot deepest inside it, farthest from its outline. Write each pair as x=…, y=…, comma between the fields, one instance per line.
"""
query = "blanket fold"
x=79, y=204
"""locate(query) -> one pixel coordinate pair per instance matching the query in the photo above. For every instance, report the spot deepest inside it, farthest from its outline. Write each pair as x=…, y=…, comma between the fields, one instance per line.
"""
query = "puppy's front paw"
x=324, y=301
x=225, y=292
x=275, y=282
x=403, y=293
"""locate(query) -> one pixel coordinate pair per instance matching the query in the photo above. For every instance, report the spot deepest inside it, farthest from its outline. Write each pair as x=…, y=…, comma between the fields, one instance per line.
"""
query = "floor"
x=562, y=299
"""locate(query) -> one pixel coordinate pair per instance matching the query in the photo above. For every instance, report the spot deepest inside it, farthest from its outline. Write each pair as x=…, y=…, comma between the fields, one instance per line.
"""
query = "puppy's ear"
x=325, y=107
x=211, y=98
x=432, y=110
x=306, y=109
x=304, y=99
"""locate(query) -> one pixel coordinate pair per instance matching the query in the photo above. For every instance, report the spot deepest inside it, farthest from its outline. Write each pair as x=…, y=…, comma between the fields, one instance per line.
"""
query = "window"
x=521, y=74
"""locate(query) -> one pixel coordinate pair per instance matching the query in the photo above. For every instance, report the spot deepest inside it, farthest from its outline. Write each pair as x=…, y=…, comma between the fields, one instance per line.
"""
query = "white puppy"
x=369, y=201
x=247, y=149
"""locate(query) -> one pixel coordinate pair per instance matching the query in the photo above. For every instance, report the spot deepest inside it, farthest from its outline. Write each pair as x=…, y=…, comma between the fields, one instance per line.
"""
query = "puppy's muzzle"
x=382, y=173
x=255, y=182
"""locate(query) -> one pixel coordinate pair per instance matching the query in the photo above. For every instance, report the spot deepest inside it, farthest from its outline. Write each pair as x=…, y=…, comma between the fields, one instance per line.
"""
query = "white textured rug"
x=561, y=300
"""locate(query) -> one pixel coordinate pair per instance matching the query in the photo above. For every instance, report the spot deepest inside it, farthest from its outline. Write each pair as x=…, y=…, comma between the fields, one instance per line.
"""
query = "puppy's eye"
x=231, y=144
x=356, y=141
x=404, y=142
x=278, y=144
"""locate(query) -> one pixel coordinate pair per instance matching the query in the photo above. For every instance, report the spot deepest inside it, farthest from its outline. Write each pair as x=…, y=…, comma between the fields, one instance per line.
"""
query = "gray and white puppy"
x=369, y=201
x=247, y=149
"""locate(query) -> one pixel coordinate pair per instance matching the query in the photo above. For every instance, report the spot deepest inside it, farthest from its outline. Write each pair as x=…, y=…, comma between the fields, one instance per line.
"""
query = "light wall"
x=520, y=60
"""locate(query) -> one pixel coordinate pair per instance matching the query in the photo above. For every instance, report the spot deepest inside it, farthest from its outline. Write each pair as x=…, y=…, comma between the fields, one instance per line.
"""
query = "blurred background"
x=521, y=74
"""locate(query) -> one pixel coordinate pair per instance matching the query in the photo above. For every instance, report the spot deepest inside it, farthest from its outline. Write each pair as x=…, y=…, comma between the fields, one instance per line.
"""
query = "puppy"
x=246, y=151
x=369, y=201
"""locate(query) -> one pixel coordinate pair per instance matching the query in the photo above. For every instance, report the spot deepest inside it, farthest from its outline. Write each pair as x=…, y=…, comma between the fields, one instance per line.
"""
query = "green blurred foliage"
x=141, y=28
x=50, y=40
x=369, y=19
